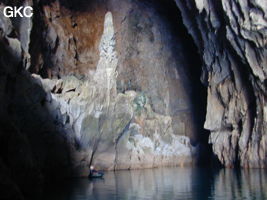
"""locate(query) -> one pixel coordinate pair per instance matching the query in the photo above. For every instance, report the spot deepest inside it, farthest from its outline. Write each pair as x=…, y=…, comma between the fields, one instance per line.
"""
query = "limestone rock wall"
x=32, y=147
x=107, y=82
x=119, y=125
x=231, y=36
x=100, y=84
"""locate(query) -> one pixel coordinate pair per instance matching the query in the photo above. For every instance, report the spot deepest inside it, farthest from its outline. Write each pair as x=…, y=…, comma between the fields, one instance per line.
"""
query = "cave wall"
x=32, y=147
x=135, y=101
x=231, y=36
x=111, y=79
x=110, y=82
x=98, y=83
x=66, y=40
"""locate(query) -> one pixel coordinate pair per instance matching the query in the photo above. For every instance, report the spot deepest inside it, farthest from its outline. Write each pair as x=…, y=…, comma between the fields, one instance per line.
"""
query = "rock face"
x=97, y=84
x=231, y=36
x=111, y=83
x=132, y=109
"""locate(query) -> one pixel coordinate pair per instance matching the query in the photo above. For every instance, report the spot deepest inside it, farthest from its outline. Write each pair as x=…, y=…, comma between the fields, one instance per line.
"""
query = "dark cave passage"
x=168, y=9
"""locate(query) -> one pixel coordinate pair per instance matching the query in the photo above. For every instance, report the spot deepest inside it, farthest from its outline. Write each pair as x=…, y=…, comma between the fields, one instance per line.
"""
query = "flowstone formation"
x=117, y=87
x=110, y=129
x=98, y=84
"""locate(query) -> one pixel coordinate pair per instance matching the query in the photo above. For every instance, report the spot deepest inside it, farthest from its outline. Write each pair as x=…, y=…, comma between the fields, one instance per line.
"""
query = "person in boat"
x=95, y=173
x=92, y=170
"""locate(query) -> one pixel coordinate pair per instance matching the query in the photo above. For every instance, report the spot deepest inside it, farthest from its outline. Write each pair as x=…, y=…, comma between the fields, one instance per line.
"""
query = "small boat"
x=96, y=174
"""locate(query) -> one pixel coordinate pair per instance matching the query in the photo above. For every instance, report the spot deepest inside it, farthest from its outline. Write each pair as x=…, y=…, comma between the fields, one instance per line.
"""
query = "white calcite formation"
x=120, y=130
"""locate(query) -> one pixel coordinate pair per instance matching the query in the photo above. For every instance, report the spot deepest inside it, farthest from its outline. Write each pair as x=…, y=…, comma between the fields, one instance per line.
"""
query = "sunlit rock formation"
x=117, y=126
x=98, y=84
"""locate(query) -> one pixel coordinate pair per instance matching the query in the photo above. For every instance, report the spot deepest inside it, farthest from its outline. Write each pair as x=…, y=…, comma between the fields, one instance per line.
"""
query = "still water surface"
x=167, y=183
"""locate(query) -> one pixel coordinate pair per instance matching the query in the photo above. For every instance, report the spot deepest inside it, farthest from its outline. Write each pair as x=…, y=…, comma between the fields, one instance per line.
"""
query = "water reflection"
x=167, y=183
x=244, y=184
